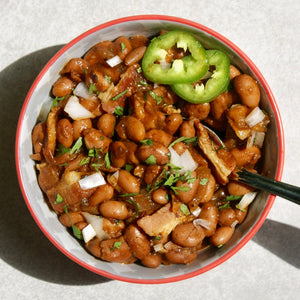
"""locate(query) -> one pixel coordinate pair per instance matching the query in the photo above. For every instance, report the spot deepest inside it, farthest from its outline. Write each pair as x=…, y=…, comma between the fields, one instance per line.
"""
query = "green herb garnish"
x=128, y=167
x=119, y=95
x=151, y=160
x=233, y=197
x=107, y=160
x=84, y=161
x=136, y=208
x=185, y=210
x=92, y=89
x=59, y=199
x=203, y=181
x=128, y=195
x=77, y=232
x=147, y=142
x=61, y=149
x=56, y=100
x=116, y=245
x=108, y=79
x=76, y=146
x=157, y=98
x=185, y=139
x=119, y=111
x=123, y=46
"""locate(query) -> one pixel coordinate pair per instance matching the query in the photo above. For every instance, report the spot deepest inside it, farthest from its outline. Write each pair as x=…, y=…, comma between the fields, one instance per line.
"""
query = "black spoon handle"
x=284, y=190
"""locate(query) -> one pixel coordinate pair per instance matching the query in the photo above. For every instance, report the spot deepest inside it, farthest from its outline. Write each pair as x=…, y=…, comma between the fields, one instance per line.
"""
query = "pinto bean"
x=137, y=241
x=76, y=67
x=94, y=138
x=112, y=228
x=118, y=153
x=209, y=213
x=241, y=214
x=128, y=183
x=116, y=250
x=64, y=132
x=93, y=246
x=135, y=55
x=246, y=156
x=160, y=136
x=113, y=209
x=159, y=151
x=74, y=216
x=62, y=87
x=134, y=129
x=160, y=196
x=181, y=256
x=151, y=173
x=198, y=111
x=79, y=126
x=173, y=122
x=222, y=236
x=187, y=195
x=227, y=217
x=220, y=105
x=152, y=260
x=187, y=129
x=106, y=123
x=103, y=193
x=238, y=189
x=122, y=46
x=131, y=148
x=233, y=72
x=188, y=235
x=248, y=90
x=38, y=136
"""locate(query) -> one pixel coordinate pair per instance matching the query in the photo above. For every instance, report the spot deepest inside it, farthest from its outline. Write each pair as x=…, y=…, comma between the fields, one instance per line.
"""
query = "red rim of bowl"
x=279, y=131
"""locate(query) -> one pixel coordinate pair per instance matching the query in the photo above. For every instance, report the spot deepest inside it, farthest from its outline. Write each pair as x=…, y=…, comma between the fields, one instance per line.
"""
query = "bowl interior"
x=47, y=220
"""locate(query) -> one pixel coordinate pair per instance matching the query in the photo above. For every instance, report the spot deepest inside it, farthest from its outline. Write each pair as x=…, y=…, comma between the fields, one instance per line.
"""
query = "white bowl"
x=47, y=220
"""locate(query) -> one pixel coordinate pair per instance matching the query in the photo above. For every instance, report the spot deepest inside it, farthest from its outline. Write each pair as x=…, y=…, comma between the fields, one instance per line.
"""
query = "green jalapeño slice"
x=211, y=85
x=188, y=67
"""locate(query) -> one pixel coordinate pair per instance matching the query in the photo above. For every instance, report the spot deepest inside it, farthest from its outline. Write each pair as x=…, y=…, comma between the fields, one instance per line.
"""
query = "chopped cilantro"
x=116, y=245
x=147, y=142
x=157, y=98
x=128, y=195
x=123, y=46
x=92, y=89
x=77, y=232
x=76, y=146
x=108, y=79
x=233, y=197
x=151, y=160
x=107, y=160
x=119, y=111
x=185, y=139
x=119, y=95
x=59, y=199
x=84, y=161
x=56, y=100
x=185, y=210
x=203, y=181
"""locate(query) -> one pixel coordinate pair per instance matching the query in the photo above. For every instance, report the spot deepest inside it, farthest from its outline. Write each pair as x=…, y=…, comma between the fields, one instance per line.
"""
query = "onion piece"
x=97, y=224
x=88, y=233
x=76, y=111
x=185, y=161
x=196, y=212
x=202, y=222
x=81, y=90
x=256, y=139
x=255, y=117
x=114, y=61
x=92, y=181
x=158, y=248
x=246, y=200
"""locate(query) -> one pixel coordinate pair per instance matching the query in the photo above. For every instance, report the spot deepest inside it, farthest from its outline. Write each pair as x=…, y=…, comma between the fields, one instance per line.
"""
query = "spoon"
x=272, y=186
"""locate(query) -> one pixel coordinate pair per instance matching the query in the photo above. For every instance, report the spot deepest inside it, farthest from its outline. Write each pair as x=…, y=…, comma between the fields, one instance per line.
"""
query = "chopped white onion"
x=196, y=212
x=114, y=61
x=202, y=222
x=92, y=181
x=256, y=139
x=88, y=233
x=184, y=161
x=77, y=111
x=97, y=224
x=234, y=223
x=81, y=90
x=255, y=117
x=158, y=247
x=246, y=200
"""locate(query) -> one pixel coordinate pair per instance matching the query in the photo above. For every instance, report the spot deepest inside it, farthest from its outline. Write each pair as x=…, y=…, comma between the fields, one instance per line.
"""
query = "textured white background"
x=32, y=31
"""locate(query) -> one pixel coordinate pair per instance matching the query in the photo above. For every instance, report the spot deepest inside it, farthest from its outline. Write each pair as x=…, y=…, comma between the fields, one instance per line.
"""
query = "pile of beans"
x=146, y=209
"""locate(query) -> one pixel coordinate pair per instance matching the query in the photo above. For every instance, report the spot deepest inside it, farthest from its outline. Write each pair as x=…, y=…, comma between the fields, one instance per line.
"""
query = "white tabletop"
x=31, y=32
